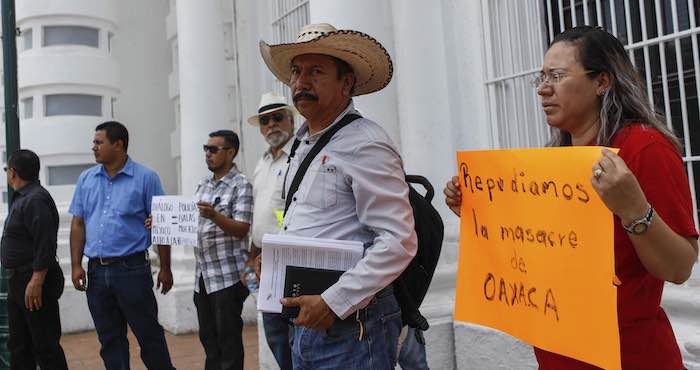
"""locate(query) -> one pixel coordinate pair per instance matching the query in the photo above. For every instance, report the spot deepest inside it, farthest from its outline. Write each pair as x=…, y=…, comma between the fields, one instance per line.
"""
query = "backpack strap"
x=322, y=141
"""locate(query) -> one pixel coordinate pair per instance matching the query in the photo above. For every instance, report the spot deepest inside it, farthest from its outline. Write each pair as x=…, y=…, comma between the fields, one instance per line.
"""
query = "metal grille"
x=288, y=17
x=661, y=37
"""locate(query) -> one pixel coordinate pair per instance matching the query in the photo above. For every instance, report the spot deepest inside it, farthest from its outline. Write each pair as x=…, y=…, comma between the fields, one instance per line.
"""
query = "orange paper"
x=537, y=257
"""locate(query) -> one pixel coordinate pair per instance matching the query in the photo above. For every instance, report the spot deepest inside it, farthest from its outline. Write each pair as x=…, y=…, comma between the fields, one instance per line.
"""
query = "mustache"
x=305, y=95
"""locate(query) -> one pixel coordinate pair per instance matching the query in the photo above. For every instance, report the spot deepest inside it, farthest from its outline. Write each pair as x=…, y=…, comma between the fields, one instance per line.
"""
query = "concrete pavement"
x=83, y=350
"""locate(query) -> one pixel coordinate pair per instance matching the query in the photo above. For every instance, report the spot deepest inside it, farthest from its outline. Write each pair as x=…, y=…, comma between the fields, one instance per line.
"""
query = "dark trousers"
x=121, y=293
x=221, y=326
x=35, y=335
x=279, y=334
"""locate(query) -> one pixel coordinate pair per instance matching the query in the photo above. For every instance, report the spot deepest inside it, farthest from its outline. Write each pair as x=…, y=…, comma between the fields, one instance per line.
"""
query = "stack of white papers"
x=280, y=251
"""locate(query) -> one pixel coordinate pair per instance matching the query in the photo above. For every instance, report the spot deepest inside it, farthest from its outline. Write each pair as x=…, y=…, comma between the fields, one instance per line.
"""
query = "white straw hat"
x=365, y=55
x=269, y=102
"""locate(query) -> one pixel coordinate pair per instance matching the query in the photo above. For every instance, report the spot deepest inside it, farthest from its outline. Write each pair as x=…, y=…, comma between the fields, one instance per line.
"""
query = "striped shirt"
x=220, y=258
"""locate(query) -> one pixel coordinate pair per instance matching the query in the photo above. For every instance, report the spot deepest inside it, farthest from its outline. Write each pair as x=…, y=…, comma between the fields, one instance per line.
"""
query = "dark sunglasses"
x=213, y=149
x=277, y=117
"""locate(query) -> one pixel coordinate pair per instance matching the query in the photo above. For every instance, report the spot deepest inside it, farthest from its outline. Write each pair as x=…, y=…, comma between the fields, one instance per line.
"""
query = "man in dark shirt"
x=28, y=253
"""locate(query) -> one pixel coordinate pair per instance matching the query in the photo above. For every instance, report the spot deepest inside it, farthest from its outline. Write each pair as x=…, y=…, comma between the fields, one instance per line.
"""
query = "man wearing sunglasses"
x=275, y=119
x=225, y=201
x=35, y=280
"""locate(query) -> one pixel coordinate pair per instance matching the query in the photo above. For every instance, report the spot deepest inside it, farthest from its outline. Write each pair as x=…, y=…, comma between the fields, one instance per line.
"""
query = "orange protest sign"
x=536, y=251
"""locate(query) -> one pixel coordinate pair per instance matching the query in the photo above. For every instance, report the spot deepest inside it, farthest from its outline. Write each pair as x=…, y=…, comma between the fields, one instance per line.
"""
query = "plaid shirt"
x=221, y=258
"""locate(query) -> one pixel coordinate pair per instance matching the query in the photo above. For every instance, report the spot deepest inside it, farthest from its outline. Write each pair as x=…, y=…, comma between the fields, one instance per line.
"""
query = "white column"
x=689, y=320
x=202, y=83
x=421, y=78
x=372, y=17
x=202, y=110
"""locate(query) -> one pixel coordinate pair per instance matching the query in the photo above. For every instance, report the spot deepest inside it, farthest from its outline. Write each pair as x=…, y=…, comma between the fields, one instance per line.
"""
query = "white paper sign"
x=175, y=220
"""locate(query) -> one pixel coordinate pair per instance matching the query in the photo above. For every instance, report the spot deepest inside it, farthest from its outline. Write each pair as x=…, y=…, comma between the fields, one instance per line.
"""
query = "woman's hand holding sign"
x=453, y=196
x=618, y=188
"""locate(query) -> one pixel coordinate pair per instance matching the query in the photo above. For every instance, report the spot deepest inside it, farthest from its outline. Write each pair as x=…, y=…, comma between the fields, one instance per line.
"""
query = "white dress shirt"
x=355, y=190
x=267, y=192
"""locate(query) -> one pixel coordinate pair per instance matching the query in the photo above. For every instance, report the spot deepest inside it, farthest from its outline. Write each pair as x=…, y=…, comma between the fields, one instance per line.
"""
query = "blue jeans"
x=280, y=337
x=412, y=353
x=339, y=348
x=121, y=293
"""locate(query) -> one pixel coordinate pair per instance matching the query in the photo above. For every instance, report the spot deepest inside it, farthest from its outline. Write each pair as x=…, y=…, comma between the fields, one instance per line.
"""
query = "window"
x=513, y=49
x=73, y=104
x=27, y=38
x=109, y=41
x=661, y=38
x=288, y=17
x=71, y=35
x=112, y=101
x=66, y=175
x=28, y=108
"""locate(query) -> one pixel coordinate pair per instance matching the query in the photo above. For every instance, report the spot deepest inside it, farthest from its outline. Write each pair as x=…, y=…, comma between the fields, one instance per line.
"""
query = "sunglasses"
x=277, y=117
x=213, y=149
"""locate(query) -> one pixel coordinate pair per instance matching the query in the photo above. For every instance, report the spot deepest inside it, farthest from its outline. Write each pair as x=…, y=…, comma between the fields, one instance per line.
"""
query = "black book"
x=300, y=281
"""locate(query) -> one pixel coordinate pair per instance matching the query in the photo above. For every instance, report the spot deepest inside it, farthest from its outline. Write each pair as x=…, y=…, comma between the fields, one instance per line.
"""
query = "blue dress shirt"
x=114, y=209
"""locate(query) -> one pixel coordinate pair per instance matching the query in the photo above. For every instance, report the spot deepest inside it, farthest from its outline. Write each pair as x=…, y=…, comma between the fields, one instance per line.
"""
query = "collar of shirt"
x=26, y=189
x=286, y=149
x=128, y=169
x=303, y=133
x=227, y=179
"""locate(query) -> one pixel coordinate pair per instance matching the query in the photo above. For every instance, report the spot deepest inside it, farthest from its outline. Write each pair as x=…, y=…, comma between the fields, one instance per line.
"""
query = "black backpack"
x=412, y=285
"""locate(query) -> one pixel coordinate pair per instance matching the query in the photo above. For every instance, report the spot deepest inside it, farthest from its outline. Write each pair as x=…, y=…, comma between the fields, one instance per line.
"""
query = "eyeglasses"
x=213, y=149
x=277, y=117
x=553, y=78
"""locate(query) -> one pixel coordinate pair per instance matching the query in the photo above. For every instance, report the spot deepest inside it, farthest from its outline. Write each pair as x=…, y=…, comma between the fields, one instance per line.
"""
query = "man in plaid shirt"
x=225, y=201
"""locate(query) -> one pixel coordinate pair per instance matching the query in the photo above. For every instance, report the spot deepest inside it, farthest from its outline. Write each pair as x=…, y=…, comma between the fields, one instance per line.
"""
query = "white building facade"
x=174, y=71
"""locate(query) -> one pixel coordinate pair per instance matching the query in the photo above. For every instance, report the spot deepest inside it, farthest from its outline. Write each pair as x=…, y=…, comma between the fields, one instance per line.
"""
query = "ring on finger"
x=597, y=172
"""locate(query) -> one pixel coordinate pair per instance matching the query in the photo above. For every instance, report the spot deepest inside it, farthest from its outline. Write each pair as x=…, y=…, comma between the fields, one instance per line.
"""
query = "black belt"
x=104, y=261
x=361, y=314
x=25, y=268
x=19, y=269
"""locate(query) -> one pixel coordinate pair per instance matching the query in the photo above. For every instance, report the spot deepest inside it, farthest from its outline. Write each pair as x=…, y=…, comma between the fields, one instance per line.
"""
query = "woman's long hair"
x=625, y=102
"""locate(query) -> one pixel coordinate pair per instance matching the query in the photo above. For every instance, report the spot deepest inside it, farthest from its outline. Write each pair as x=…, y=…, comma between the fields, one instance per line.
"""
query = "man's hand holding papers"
x=280, y=251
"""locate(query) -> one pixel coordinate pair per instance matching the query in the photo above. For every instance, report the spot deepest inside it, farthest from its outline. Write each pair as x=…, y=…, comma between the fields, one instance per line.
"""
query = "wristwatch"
x=640, y=226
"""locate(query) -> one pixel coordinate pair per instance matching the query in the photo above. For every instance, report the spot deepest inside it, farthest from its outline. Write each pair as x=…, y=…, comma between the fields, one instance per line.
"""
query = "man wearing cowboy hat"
x=354, y=189
x=275, y=119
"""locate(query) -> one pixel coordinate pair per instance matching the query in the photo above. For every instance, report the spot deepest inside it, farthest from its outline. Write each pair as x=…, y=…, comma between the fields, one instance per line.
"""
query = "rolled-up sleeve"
x=376, y=175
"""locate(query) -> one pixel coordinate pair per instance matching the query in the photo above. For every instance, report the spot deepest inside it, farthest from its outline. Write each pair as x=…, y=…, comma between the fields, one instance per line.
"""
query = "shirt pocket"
x=323, y=192
x=131, y=203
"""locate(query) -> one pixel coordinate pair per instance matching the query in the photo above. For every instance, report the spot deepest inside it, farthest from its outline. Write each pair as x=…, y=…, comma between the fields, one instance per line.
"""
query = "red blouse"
x=646, y=337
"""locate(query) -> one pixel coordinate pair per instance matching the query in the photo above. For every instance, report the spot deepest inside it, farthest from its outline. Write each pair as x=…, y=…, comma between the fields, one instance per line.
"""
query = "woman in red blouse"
x=592, y=95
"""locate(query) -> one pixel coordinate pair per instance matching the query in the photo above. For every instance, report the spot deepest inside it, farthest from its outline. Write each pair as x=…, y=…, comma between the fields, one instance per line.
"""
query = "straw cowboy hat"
x=269, y=102
x=365, y=55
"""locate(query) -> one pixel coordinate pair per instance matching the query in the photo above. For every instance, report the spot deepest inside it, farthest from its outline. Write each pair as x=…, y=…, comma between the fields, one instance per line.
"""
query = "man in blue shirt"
x=109, y=208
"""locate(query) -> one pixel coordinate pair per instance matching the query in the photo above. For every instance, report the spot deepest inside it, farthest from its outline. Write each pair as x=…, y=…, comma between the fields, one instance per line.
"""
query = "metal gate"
x=661, y=37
